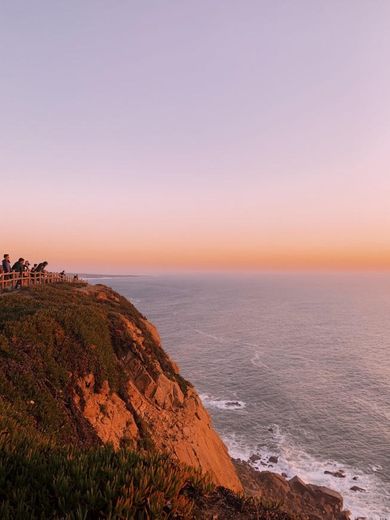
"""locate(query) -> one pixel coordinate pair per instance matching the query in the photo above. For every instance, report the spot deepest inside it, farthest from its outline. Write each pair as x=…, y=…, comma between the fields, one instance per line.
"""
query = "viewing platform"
x=9, y=281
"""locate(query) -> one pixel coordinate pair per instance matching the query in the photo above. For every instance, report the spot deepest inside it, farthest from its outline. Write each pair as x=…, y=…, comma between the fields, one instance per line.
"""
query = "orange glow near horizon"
x=305, y=228
x=93, y=254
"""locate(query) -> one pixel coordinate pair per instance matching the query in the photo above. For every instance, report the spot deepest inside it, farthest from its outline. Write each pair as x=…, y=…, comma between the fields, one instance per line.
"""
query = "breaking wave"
x=222, y=404
x=373, y=503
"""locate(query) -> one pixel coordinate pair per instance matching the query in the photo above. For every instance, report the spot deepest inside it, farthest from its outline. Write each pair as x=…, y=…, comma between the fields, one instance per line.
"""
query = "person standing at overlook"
x=41, y=267
x=6, y=264
x=18, y=267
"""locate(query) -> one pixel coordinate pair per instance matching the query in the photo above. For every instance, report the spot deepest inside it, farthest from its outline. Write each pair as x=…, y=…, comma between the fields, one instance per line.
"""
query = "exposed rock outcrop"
x=106, y=412
x=314, y=502
x=156, y=404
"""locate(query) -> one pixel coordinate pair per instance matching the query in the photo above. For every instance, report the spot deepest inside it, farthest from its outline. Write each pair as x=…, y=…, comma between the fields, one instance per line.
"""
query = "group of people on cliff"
x=21, y=266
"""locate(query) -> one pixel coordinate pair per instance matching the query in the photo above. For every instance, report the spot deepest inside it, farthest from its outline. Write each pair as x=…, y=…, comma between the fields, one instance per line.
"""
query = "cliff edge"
x=87, y=368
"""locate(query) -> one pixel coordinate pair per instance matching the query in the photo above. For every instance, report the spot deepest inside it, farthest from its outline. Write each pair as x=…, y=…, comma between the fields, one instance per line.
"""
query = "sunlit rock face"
x=156, y=407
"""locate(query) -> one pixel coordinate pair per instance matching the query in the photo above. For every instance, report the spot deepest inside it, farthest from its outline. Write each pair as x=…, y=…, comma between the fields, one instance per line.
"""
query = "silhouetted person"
x=6, y=264
x=32, y=273
x=41, y=267
x=18, y=267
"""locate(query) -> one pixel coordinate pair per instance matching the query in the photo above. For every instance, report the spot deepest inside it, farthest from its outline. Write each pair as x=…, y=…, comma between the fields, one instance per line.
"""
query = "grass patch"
x=41, y=480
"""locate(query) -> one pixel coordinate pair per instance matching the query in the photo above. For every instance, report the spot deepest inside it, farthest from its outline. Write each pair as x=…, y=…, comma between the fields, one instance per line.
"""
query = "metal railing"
x=29, y=279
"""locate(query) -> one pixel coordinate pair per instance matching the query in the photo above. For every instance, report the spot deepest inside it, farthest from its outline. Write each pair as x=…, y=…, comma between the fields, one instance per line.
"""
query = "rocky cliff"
x=156, y=404
x=90, y=369
x=82, y=371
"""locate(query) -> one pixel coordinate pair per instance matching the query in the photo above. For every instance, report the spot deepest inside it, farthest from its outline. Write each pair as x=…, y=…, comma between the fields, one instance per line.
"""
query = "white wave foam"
x=211, y=336
x=373, y=503
x=222, y=404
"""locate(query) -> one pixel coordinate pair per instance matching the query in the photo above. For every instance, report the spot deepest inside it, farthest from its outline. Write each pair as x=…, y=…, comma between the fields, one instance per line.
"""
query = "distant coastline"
x=89, y=275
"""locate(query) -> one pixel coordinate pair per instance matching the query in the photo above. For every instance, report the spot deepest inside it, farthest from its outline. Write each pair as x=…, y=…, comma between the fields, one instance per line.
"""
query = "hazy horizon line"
x=157, y=272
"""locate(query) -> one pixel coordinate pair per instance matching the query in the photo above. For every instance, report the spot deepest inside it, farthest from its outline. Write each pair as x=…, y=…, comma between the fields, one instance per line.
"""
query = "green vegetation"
x=42, y=480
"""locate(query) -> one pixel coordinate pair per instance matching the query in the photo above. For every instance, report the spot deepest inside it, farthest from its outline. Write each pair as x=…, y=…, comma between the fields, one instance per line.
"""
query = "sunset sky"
x=199, y=134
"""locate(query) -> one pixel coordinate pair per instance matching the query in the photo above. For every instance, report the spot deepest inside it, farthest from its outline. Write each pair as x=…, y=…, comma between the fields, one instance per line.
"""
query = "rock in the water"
x=273, y=459
x=339, y=473
x=233, y=403
x=314, y=502
x=254, y=458
x=357, y=488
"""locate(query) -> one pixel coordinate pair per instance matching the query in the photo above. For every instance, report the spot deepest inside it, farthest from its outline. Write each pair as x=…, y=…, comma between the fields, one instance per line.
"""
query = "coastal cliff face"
x=166, y=408
x=94, y=372
x=90, y=400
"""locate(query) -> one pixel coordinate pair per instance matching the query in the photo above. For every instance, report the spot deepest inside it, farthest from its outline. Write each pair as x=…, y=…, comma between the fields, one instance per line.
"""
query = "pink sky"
x=199, y=135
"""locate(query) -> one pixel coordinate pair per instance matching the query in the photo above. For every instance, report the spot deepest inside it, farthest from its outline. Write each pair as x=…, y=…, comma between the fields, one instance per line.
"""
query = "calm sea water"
x=296, y=366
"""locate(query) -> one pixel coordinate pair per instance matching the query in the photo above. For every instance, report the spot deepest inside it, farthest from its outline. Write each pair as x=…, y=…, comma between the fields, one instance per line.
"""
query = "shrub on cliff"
x=41, y=480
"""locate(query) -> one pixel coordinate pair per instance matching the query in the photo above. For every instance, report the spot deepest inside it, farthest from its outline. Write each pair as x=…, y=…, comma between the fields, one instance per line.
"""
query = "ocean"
x=291, y=366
